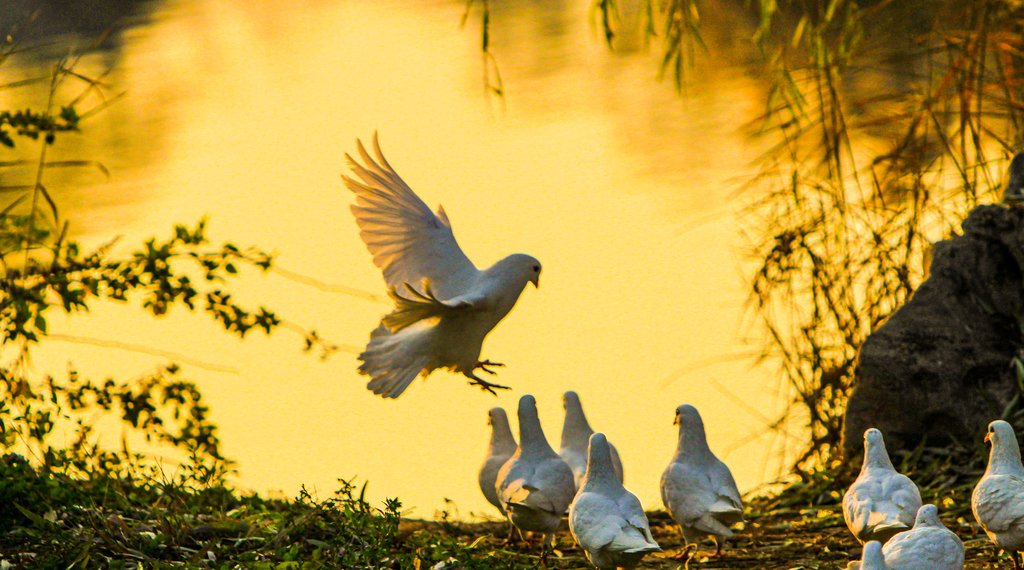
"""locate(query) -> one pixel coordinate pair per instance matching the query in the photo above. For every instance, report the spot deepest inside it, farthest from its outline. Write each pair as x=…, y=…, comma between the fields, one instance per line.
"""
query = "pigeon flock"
x=536, y=487
x=445, y=307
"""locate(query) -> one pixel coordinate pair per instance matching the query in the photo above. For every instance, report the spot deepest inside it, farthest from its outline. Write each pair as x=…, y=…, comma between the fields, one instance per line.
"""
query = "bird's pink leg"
x=684, y=555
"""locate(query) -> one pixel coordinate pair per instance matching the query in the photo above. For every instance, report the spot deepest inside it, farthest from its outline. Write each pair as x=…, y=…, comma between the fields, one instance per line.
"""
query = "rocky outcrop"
x=940, y=366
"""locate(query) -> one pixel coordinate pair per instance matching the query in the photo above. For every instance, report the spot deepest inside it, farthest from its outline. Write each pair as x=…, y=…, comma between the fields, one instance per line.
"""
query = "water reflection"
x=243, y=111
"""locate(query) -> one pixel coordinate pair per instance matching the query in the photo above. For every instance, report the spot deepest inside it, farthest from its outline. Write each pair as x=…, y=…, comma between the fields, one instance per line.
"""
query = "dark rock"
x=940, y=366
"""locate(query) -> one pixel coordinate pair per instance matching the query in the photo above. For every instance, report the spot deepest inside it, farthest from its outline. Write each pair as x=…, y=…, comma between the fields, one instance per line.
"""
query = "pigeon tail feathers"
x=393, y=361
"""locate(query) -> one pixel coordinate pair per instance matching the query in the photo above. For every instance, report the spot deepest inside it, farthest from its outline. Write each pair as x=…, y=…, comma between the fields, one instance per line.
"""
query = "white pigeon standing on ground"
x=576, y=432
x=607, y=521
x=535, y=486
x=697, y=489
x=444, y=305
x=881, y=502
x=998, y=498
x=499, y=451
x=927, y=546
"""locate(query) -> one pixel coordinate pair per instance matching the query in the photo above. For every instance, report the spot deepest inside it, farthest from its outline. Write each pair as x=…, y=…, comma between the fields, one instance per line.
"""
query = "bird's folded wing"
x=727, y=489
x=878, y=521
x=631, y=540
x=906, y=495
x=710, y=525
x=417, y=306
x=685, y=491
x=724, y=506
x=407, y=240
x=857, y=512
x=533, y=498
x=998, y=502
x=594, y=521
x=638, y=520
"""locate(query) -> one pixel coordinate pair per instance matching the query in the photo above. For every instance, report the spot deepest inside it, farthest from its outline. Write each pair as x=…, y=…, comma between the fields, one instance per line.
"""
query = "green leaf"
x=36, y=519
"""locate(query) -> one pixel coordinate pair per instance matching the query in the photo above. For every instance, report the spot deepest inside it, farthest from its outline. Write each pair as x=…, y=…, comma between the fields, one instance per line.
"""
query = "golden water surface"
x=243, y=110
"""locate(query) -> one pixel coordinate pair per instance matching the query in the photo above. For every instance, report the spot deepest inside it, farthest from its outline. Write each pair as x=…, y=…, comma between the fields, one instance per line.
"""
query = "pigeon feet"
x=685, y=554
x=483, y=364
x=477, y=381
x=718, y=546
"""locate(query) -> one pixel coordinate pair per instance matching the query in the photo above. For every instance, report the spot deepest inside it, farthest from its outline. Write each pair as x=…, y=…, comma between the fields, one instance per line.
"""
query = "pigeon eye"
x=536, y=268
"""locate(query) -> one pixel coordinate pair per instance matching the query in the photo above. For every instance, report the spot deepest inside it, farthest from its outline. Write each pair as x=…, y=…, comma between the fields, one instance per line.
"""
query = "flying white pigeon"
x=607, y=521
x=444, y=305
x=500, y=449
x=576, y=434
x=697, y=489
x=998, y=499
x=927, y=546
x=535, y=486
x=881, y=502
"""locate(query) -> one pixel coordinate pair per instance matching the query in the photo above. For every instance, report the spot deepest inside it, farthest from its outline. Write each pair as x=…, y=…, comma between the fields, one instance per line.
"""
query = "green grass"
x=52, y=521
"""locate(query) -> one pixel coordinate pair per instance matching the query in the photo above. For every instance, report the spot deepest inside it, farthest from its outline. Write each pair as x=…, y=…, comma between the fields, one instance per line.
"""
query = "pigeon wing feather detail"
x=408, y=241
x=997, y=501
x=419, y=306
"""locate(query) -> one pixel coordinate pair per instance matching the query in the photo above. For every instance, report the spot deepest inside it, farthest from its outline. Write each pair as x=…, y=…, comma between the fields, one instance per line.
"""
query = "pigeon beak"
x=988, y=437
x=675, y=421
x=536, y=281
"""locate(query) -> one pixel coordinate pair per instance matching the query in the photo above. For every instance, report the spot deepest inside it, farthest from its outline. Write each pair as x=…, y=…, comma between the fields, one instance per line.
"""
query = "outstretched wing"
x=407, y=241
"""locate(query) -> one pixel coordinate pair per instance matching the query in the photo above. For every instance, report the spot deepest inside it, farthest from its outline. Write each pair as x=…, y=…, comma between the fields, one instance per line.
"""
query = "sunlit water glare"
x=243, y=111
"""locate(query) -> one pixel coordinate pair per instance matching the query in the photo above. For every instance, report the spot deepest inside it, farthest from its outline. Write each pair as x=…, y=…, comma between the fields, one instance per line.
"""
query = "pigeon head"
x=571, y=399
x=528, y=408
x=599, y=463
x=687, y=415
x=496, y=415
x=1014, y=192
x=999, y=433
x=928, y=515
x=871, y=558
x=1005, y=455
x=692, y=439
x=531, y=435
x=576, y=429
x=501, y=434
x=875, y=455
x=518, y=268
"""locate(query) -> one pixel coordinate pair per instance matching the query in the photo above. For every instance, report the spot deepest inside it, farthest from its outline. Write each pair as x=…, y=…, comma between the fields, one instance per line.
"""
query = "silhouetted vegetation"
x=856, y=188
x=51, y=420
